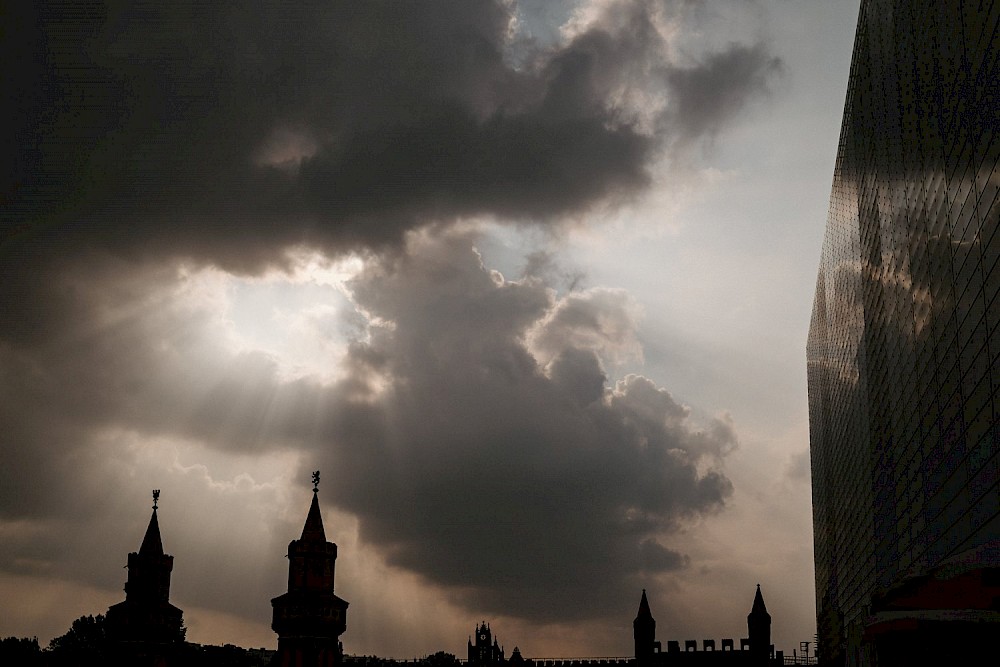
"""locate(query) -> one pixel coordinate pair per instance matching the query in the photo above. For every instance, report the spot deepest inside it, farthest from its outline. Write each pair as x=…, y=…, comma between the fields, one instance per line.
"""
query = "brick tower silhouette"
x=146, y=629
x=309, y=618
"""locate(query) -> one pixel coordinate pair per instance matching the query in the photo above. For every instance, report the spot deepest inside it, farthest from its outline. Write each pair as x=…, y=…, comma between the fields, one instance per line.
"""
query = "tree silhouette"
x=20, y=651
x=441, y=659
x=84, y=643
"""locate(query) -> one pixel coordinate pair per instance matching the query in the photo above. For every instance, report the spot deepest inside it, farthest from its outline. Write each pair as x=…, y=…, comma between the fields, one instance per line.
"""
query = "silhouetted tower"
x=309, y=618
x=759, y=630
x=644, y=632
x=486, y=650
x=146, y=626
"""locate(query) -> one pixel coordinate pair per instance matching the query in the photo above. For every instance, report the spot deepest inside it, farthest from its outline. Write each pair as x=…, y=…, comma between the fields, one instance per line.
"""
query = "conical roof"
x=151, y=544
x=643, y=607
x=758, y=604
x=313, y=531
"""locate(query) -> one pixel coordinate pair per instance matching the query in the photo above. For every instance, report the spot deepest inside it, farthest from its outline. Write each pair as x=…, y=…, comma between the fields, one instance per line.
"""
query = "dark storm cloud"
x=533, y=490
x=227, y=132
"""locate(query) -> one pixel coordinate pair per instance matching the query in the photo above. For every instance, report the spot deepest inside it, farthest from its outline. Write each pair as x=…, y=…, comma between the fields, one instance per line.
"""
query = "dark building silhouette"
x=146, y=629
x=309, y=618
x=644, y=633
x=486, y=650
x=904, y=346
x=755, y=650
x=759, y=630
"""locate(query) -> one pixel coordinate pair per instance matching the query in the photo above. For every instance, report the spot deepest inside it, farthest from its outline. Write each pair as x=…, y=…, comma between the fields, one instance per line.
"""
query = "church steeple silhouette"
x=309, y=618
x=313, y=531
x=759, y=630
x=146, y=626
x=644, y=632
x=152, y=545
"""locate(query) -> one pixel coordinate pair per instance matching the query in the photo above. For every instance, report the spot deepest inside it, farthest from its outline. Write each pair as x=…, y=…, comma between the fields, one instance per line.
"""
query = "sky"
x=528, y=282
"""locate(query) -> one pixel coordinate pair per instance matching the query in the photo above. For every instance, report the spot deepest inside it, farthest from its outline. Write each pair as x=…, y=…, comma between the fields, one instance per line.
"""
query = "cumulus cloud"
x=599, y=320
x=472, y=429
x=520, y=483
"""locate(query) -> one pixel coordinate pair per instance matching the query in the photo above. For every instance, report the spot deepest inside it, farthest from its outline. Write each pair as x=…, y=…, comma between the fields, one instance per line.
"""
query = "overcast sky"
x=528, y=281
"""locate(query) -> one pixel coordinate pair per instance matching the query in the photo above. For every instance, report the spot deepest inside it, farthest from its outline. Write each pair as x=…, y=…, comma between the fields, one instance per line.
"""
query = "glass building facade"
x=904, y=345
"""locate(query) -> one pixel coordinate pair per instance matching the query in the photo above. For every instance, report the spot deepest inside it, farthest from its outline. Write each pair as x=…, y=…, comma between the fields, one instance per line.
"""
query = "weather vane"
x=316, y=481
x=156, y=497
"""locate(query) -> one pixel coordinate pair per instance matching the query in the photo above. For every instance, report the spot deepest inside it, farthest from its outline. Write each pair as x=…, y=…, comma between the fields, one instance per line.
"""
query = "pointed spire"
x=151, y=544
x=313, y=531
x=644, y=607
x=758, y=603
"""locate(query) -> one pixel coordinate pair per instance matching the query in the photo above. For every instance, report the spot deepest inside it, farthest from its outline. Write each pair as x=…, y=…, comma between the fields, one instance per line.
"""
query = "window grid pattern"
x=904, y=348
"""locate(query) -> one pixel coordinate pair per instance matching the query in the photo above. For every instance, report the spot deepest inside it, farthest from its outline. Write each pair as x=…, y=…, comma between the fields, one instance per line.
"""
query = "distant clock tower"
x=486, y=650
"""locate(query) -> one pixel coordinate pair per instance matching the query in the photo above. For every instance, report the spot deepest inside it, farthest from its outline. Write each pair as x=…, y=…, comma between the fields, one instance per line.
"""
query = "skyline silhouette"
x=146, y=629
x=529, y=281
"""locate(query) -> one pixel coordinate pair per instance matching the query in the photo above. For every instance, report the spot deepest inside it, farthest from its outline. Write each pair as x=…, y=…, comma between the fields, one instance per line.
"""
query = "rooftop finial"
x=315, y=481
x=156, y=497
